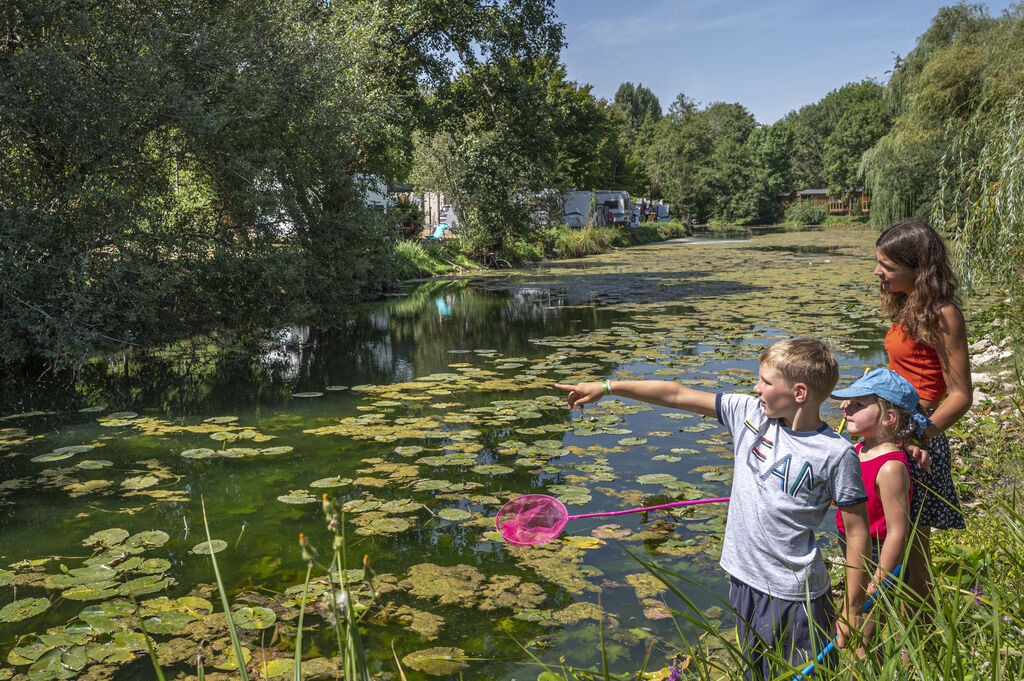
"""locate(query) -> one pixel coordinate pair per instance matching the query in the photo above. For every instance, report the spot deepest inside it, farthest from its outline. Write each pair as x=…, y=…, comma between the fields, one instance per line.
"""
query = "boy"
x=788, y=468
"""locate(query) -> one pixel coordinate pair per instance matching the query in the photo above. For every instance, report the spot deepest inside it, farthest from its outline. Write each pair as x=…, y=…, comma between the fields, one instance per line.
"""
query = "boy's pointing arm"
x=664, y=393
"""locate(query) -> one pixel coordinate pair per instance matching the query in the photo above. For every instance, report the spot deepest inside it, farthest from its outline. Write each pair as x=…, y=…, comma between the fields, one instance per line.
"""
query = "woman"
x=927, y=345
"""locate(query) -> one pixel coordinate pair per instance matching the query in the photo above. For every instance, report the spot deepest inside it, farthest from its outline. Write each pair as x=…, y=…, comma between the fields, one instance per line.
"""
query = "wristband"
x=606, y=386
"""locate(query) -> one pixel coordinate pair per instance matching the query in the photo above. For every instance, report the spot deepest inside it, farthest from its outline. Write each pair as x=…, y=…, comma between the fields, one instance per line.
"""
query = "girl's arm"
x=956, y=371
x=664, y=393
x=893, y=485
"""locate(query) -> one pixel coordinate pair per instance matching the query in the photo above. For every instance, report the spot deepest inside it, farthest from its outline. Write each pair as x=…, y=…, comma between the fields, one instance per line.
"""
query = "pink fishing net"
x=531, y=519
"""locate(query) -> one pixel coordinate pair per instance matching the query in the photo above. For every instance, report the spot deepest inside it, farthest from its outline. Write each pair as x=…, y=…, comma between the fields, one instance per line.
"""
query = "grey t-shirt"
x=783, y=484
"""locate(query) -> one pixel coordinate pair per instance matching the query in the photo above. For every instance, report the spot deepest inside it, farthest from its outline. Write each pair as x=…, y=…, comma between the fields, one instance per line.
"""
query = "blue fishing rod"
x=867, y=606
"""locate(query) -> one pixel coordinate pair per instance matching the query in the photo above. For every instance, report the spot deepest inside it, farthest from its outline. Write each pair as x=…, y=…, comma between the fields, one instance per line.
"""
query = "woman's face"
x=895, y=278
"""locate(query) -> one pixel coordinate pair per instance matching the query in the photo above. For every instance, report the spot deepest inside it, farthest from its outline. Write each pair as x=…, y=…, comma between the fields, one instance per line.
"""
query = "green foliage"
x=639, y=104
x=412, y=259
x=806, y=213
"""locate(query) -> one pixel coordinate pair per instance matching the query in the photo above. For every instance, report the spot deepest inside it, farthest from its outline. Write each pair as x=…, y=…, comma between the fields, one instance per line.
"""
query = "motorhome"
x=578, y=207
x=614, y=206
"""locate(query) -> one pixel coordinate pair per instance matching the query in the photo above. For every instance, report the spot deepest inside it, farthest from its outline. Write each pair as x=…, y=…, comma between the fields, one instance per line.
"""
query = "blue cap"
x=884, y=383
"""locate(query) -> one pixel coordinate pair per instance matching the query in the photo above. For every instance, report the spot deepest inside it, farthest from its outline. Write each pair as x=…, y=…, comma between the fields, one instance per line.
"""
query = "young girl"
x=881, y=408
x=927, y=345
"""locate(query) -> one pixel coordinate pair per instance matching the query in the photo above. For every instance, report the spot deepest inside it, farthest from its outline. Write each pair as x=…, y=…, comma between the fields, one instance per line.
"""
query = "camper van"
x=578, y=208
x=614, y=206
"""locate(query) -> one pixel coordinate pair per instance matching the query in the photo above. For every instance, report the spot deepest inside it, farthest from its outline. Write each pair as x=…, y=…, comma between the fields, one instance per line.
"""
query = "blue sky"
x=772, y=57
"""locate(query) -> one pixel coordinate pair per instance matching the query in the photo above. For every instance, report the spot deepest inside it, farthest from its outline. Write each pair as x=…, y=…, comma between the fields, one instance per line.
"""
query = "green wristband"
x=607, y=387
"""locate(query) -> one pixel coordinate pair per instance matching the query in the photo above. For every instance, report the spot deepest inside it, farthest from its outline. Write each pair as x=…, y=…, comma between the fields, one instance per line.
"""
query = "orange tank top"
x=916, y=362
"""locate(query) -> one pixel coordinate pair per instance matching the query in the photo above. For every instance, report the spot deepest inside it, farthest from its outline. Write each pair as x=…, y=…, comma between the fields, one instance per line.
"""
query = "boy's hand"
x=582, y=393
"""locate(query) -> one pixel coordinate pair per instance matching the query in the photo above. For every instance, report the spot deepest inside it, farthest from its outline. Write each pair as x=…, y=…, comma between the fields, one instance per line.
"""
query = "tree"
x=639, y=104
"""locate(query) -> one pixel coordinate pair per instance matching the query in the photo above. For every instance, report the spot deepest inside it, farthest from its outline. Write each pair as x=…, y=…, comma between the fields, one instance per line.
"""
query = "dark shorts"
x=771, y=628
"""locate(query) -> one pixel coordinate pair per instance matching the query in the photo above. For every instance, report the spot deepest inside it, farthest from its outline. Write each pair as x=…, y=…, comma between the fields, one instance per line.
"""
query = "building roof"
x=812, y=192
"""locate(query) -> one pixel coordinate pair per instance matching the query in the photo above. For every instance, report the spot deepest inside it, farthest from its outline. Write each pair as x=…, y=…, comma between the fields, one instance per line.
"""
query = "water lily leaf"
x=6, y=576
x=205, y=548
x=59, y=663
x=223, y=436
x=93, y=464
x=436, y=661
x=238, y=452
x=27, y=651
x=401, y=506
x=492, y=469
x=656, y=479
x=140, y=482
x=247, y=434
x=271, y=451
x=336, y=481
x=221, y=419
x=154, y=565
x=254, y=618
x=454, y=514
x=109, y=537
x=92, y=592
x=52, y=456
x=149, y=539
x=631, y=441
x=334, y=388
x=92, y=409
x=408, y=450
x=228, y=662
x=281, y=666
x=84, y=575
x=122, y=415
x=168, y=622
x=199, y=453
x=389, y=525
x=308, y=394
x=297, y=497
x=23, y=609
x=146, y=584
x=361, y=505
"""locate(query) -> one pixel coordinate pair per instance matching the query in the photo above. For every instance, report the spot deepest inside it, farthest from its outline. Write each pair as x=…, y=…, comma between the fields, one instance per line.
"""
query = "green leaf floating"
x=454, y=514
x=297, y=497
x=199, y=453
x=109, y=537
x=204, y=547
x=656, y=479
x=149, y=539
x=59, y=663
x=140, y=482
x=52, y=456
x=436, y=661
x=254, y=618
x=23, y=609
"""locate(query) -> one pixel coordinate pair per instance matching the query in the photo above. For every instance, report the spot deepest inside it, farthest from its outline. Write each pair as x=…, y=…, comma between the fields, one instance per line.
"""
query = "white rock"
x=993, y=354
x=980, y=345
x=980, y=378
x=979, y=396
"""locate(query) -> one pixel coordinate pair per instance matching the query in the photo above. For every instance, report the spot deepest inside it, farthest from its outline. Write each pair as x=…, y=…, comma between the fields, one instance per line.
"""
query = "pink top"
x=869, y=470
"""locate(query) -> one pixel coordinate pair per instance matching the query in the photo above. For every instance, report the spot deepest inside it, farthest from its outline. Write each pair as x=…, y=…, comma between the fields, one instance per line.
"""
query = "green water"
x=462, y=369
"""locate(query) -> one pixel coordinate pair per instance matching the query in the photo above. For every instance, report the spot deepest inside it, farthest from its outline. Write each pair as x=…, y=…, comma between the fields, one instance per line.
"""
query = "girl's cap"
x=884, y=383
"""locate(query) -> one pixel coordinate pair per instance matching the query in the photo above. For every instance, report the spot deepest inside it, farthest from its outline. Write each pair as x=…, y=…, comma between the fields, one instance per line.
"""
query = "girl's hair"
x=901, y=428
x=912, y=243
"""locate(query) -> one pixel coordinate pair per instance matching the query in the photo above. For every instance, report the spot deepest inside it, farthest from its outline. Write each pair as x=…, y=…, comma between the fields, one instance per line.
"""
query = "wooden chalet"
x=857, y=202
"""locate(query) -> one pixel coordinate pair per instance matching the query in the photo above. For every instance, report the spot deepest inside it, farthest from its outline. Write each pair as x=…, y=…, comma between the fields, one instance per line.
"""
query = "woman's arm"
x=956, y=371
x=893, y=485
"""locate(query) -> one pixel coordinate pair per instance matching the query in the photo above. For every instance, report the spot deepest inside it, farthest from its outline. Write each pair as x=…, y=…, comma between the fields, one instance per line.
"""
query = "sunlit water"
x=441, y=396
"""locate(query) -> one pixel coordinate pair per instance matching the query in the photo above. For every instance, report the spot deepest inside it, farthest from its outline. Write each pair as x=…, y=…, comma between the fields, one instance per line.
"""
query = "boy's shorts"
x=771, y=628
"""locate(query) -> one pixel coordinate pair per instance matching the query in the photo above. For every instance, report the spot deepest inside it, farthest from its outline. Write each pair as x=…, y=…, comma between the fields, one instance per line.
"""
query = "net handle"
x=650, y=508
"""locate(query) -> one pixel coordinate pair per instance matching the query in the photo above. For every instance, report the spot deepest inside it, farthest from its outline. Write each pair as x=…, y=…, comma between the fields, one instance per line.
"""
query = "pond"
x=420, y=416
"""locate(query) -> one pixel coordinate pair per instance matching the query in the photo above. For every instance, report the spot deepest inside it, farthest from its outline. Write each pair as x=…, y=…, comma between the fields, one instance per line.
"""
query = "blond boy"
x=789, y=467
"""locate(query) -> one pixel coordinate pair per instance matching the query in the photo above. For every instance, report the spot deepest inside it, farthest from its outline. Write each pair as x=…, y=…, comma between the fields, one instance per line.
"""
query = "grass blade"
x=224, y=601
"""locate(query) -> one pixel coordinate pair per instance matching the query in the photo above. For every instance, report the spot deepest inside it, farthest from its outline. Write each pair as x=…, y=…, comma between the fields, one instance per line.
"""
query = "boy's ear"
x=801, y=392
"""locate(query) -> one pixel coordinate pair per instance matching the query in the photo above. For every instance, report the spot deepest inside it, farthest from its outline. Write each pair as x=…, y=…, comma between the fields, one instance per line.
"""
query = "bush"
x=806, y=214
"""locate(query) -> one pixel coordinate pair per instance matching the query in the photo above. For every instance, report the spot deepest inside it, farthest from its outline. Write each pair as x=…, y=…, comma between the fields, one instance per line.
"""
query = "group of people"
x=790, y=467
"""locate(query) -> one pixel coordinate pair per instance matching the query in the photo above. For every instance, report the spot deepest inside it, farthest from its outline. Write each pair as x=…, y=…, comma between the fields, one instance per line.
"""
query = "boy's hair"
x=898, y=430
x=804, y=360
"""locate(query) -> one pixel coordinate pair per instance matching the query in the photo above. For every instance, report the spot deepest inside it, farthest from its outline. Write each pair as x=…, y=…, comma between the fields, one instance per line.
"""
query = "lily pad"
x=140, y=482
x=254, y=618
x=149, y=539
x=221, y=419
x=336, y=481
x=454, y=514
x=52, y=456
x=93, y=464
x=23, y=609
x=199, y=453
x=272, y=451
x=123, y=415
x=297, y=497
x=436, y=661
x=59, y=663
x=204, y=548
x=169, y=622
x=109, y=537
x=308, y=394
x=656, y=479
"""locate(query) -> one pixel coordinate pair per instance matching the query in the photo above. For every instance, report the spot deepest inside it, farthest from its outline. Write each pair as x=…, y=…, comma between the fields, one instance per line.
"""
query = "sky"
x=772, y=57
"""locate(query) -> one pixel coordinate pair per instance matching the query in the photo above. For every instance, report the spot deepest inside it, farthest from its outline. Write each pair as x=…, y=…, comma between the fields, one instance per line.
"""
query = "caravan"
x=614, y=206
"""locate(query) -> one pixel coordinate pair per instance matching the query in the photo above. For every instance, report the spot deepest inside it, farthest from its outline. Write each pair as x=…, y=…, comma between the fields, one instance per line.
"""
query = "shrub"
x=806, y=214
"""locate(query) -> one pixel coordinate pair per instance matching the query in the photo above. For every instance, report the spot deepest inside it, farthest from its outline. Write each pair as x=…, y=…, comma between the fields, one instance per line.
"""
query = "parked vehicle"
x=614, y=206
x=578, y=207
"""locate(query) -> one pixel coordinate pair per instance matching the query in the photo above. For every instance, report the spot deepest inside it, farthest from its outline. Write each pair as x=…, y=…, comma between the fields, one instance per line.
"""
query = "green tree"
x=639, y=104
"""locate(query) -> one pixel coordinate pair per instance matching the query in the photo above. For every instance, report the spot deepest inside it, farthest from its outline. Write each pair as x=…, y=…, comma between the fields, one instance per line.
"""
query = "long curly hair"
x=913, y=243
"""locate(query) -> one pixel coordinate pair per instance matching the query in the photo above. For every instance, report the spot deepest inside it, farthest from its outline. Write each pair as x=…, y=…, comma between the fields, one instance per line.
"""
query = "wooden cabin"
x=858, y=202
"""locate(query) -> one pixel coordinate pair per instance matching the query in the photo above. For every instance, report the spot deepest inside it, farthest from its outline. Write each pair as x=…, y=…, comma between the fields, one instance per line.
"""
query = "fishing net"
x=531, y=519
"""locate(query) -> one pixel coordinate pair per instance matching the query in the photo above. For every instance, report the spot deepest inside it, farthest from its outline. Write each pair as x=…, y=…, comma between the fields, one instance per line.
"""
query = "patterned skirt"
x=934, y=501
